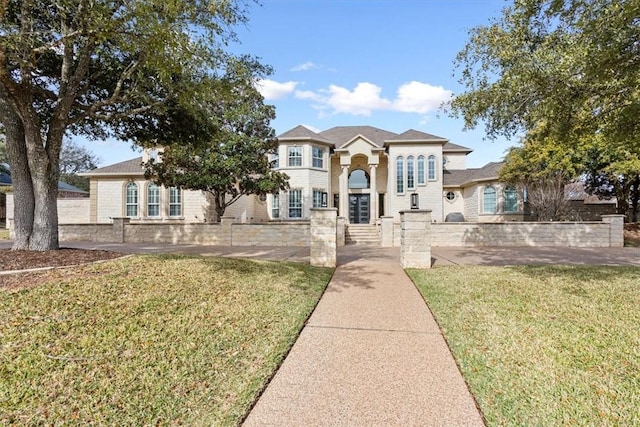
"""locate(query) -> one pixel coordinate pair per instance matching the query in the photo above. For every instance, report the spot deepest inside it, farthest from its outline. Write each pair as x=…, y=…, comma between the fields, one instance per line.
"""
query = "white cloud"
x=412, y=97
x=272, y=89
x=422, y=98
x=364, y=98
x=305, y=67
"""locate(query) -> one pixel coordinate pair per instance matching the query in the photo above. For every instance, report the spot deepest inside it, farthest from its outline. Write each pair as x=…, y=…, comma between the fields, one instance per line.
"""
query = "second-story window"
x=275, y=161
x=318, y=157
x=295, y=156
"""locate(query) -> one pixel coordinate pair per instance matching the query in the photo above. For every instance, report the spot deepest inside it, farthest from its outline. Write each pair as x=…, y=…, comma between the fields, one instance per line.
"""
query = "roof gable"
x=413, y=135
x=343, y=135
x=301, y=133
x=128, y=167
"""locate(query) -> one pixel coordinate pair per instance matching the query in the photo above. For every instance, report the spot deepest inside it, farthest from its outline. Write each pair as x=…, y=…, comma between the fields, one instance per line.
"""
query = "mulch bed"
x=25, y=260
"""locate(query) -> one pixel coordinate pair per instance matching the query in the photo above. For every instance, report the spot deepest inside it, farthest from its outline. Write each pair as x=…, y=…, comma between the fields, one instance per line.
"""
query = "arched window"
x=510, y=199
x=411, y=182
x=420, y=170
x=359, y=179
x=489, y=200
x=175, y=201
x=399, y=174
x=153, y=200
x=432, y=168
x=131, y=202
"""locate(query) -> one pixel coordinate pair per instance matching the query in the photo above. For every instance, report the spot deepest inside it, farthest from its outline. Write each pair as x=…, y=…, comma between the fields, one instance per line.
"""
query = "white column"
x=344, y=193
x=373, y=194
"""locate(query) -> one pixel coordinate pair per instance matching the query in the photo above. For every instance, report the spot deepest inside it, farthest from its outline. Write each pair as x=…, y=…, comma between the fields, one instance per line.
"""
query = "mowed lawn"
x=150, y=340
x=542, y=346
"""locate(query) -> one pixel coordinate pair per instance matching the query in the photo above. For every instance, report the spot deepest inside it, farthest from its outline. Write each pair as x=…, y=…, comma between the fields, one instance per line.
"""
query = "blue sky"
x=383, y=63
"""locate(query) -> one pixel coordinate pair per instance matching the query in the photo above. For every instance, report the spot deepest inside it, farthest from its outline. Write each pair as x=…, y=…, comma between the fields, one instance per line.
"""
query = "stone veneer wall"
x=226, y=233
x=607, y=233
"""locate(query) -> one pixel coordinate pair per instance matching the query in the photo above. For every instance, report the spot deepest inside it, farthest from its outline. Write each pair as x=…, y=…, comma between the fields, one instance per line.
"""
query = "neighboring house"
x=363, y=171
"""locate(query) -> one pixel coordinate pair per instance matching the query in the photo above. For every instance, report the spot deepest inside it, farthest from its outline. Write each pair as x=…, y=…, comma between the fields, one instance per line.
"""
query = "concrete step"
x=362, y=235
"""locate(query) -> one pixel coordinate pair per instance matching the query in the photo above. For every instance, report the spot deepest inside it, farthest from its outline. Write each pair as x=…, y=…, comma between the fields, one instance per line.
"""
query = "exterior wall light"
x=324, y=199
x=414, y=201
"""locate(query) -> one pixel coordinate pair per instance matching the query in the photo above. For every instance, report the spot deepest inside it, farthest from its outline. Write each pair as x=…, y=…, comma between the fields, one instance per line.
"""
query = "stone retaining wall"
x=606, y=233
x=225, y=233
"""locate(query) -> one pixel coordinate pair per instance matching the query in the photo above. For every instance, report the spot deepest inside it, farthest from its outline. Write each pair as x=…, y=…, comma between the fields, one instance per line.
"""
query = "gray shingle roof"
x=303, y=133
x=128, y=167
x=463, y=176
x=415, y=135
x=449, y=147
x=340, y=135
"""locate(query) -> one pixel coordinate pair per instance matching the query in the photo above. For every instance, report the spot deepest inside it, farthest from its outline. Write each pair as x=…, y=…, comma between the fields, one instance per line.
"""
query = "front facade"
x=363, y=171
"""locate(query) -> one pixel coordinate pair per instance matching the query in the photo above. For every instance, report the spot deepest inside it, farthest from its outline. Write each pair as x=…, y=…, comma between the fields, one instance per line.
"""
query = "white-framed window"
x=275, y=206
x=153, y=200
x=510, y=199
x=411, y=180
x=489, y=200
x=294, y=156
x=317, y=198
x=421, y=170
x=131, y=203
x=175, y=202
x=399, y=174
x=318, y=157
x=432, y=168
x=275, y=161
x=295, y=203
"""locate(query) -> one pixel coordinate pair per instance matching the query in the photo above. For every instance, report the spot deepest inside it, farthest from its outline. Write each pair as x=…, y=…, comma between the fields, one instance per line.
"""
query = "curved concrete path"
x=371, y=354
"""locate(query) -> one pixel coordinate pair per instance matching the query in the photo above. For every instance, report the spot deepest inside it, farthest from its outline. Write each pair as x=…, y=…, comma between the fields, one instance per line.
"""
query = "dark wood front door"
x=359, y=208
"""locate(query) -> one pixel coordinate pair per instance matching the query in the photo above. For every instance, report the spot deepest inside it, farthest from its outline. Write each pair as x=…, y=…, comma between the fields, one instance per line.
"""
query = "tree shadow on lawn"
x=579, y=273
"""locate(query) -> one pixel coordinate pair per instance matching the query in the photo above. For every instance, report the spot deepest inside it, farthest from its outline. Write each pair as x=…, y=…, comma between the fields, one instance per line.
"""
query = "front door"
x=359, y=208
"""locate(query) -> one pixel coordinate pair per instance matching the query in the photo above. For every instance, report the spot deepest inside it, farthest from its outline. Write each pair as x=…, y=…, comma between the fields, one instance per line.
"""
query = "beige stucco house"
x=363, y=171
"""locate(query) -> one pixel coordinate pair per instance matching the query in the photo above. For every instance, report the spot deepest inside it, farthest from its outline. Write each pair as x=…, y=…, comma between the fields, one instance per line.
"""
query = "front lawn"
x=150, y=340
x=543, y=345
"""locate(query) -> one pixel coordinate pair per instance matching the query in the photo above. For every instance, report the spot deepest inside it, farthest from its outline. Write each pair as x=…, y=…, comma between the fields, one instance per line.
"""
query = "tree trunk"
x=24, y=203
x=635, y=198
x=43, y=163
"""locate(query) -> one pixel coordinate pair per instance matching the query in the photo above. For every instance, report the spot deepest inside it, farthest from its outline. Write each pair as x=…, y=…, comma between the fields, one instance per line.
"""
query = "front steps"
x=362, y=234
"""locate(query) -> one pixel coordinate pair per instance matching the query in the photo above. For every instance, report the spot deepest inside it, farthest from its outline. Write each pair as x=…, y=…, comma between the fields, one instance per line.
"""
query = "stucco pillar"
x=344, y=192
x=323, y=251
x=386, y=231
x=374, y=194
x=415, y=239
x=616, y=230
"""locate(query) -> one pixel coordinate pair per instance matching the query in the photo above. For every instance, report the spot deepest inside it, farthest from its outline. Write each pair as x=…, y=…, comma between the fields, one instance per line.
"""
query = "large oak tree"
x=570, y=68
x=79, y=66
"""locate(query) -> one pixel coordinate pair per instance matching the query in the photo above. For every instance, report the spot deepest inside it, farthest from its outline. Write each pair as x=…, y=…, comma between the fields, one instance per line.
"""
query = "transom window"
x=510, y=199
x=318, y=157
x=295, y=203
x=359, y=179
x=432, y=168
x=295, y=156
x=400, y=175
x=489, y=200
x=131, y=208
x=175, y=201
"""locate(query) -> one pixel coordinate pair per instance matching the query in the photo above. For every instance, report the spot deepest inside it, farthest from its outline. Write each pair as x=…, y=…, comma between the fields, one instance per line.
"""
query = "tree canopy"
x=219, y=143
x=78, y=66
x=569, y=68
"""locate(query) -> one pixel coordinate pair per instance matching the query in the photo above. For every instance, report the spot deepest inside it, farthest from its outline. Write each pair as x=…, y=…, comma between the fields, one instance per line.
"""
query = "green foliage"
x=218, y=143
x=543, y=169
x=567, y=68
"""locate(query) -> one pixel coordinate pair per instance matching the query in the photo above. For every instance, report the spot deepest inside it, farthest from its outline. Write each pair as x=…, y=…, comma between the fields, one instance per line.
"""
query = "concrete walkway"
x=371, y=354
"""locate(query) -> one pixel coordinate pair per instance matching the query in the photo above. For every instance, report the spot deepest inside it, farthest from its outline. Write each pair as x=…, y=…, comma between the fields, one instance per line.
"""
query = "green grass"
x=150, y=340
x=4, y=234
x=543, y=345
